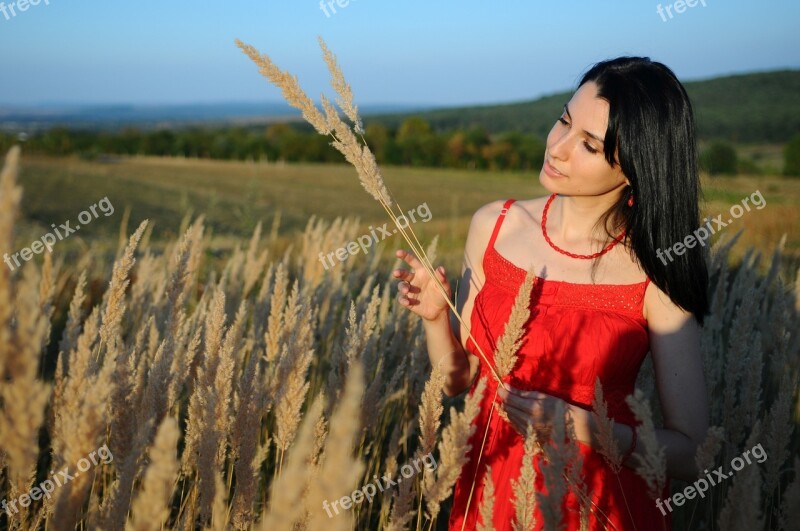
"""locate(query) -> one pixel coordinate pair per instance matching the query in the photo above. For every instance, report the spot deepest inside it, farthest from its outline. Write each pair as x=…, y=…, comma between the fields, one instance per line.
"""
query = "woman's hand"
x=538, y=409
x=417, y=291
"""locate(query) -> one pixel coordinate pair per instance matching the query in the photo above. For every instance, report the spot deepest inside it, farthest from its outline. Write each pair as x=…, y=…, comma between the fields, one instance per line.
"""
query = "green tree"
x=719, y=158
x=500, y=155
x=476, y=138
x=57, y=141
x=791, y=157
x=455, y=150
x=377, y=136
x=159, y=143
x=528, y=151
x=413, y=140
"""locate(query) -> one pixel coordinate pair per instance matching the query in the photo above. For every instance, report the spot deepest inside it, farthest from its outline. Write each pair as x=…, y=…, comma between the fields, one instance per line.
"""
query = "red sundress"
x=576, y=333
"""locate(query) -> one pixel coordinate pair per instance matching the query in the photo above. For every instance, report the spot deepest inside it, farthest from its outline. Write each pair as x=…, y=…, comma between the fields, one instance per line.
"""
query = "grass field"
x=234, y=196
x=230, y=382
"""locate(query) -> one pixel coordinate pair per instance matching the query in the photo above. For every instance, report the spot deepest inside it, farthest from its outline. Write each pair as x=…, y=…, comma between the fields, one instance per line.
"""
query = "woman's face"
x=574, y=161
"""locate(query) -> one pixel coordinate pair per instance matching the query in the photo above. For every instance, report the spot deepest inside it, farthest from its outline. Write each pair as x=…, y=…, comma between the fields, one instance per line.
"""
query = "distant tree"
x=719, y=158
x=159, y=143
x=791, y=157
x=528, y=151
x=282, y=140
x=476, y=138
x=129, y=141
x=377, y=136
x=57, y=141
x=415, y=141
x=317, y=148
x=455, y=150
x=392, y=153
x=6, y=141
x=500, y=155
x=194, y=143
x=748, y=166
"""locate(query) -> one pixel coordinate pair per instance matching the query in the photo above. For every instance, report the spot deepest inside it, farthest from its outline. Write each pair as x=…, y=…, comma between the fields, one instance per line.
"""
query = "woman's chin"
x=547, y=182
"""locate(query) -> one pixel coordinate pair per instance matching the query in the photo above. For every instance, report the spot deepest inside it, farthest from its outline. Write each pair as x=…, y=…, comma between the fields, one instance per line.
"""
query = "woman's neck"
x=574, y=218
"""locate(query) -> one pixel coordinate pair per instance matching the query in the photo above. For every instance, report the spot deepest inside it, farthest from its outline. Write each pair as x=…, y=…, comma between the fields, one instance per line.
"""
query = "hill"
x=747, y=108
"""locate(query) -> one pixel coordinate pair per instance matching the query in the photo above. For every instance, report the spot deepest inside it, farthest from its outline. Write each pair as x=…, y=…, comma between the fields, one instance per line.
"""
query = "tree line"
x=413, y=143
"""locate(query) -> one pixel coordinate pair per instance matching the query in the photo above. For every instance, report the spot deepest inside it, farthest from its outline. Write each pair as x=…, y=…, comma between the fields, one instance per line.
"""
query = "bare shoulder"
x=662, y=314
x=520, y=216
x=480, y=230
x=534, y=207
x=483, y=220
x=489, y=211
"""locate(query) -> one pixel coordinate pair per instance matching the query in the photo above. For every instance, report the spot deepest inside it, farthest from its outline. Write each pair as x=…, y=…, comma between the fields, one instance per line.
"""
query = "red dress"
x=576, y=333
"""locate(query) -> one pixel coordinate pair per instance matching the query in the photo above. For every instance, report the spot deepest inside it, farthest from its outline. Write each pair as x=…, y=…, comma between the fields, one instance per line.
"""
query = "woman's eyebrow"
x=592, y=135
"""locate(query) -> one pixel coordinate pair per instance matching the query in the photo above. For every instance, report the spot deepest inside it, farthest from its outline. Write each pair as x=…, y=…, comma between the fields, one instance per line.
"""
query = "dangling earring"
x=630, y=200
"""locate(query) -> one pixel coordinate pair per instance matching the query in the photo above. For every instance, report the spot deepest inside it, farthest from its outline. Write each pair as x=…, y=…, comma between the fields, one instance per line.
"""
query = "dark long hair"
x=652, y=123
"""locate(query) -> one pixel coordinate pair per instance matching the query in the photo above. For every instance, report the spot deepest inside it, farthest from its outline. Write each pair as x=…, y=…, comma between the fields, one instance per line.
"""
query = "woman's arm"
x=447, y=348
x=678, y=364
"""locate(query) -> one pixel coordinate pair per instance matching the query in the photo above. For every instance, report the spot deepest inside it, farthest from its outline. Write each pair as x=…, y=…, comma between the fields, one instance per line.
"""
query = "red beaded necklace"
x=562, y=251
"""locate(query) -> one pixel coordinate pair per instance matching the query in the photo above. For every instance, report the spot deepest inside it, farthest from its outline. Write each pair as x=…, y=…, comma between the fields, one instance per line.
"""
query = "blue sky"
x=411, y=51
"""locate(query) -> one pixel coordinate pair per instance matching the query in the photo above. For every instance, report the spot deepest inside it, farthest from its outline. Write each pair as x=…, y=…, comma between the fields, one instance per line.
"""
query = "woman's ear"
x=622, y=174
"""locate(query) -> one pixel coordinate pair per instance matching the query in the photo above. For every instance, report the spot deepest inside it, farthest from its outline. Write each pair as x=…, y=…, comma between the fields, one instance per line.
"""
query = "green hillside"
x=749, y=108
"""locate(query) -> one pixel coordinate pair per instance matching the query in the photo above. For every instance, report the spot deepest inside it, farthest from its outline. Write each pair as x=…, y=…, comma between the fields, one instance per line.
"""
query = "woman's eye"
x=586, y=145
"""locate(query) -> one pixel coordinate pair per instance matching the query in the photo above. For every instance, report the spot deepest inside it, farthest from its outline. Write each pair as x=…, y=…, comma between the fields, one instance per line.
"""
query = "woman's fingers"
x=520, y=399
x=407, y=300
x=405, y=288
x=415, y=265
x=403, y=274
x=407, y=292
x=531, y=409
x=409, y=258
x=440, y=274
x=518, y=420
x=416, y=287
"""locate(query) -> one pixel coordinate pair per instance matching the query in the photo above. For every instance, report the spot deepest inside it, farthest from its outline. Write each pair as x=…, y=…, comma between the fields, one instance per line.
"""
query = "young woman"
x=621, y=167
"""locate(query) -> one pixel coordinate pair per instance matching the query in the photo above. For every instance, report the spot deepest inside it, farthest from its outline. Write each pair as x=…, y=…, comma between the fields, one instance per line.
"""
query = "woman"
x=621, y=167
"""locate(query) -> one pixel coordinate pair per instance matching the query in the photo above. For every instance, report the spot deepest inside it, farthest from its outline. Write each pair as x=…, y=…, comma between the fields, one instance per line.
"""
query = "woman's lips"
x=551, y=171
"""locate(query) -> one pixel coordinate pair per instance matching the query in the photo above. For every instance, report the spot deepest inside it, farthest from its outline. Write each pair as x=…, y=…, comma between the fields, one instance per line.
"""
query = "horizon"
x=281, y=102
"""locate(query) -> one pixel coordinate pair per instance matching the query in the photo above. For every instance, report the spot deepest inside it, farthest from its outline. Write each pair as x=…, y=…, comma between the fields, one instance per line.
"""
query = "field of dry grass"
x=211, y=374
x=234, y=196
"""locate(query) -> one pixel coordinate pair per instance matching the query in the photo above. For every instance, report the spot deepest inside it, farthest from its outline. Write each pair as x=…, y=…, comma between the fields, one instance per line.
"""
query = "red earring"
x=630, y=200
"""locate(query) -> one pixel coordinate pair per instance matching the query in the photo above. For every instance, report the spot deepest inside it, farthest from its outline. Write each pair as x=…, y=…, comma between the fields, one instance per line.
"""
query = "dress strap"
x=499, y=221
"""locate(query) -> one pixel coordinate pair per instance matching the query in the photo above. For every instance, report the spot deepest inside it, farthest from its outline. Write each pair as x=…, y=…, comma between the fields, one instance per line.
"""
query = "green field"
x=235, y=196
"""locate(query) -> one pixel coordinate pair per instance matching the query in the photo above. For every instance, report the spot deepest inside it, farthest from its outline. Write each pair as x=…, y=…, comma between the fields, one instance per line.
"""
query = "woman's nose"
x=559, y=149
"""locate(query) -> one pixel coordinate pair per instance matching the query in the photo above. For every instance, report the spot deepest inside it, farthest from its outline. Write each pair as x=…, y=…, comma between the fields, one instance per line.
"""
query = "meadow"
x=234, y=196
x=193, y=342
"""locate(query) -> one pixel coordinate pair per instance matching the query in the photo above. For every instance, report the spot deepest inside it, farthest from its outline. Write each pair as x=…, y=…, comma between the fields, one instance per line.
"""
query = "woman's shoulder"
x=480, y=232
x=485, y=219
x=491, y=211
x=662, y=314
x=533, y=207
